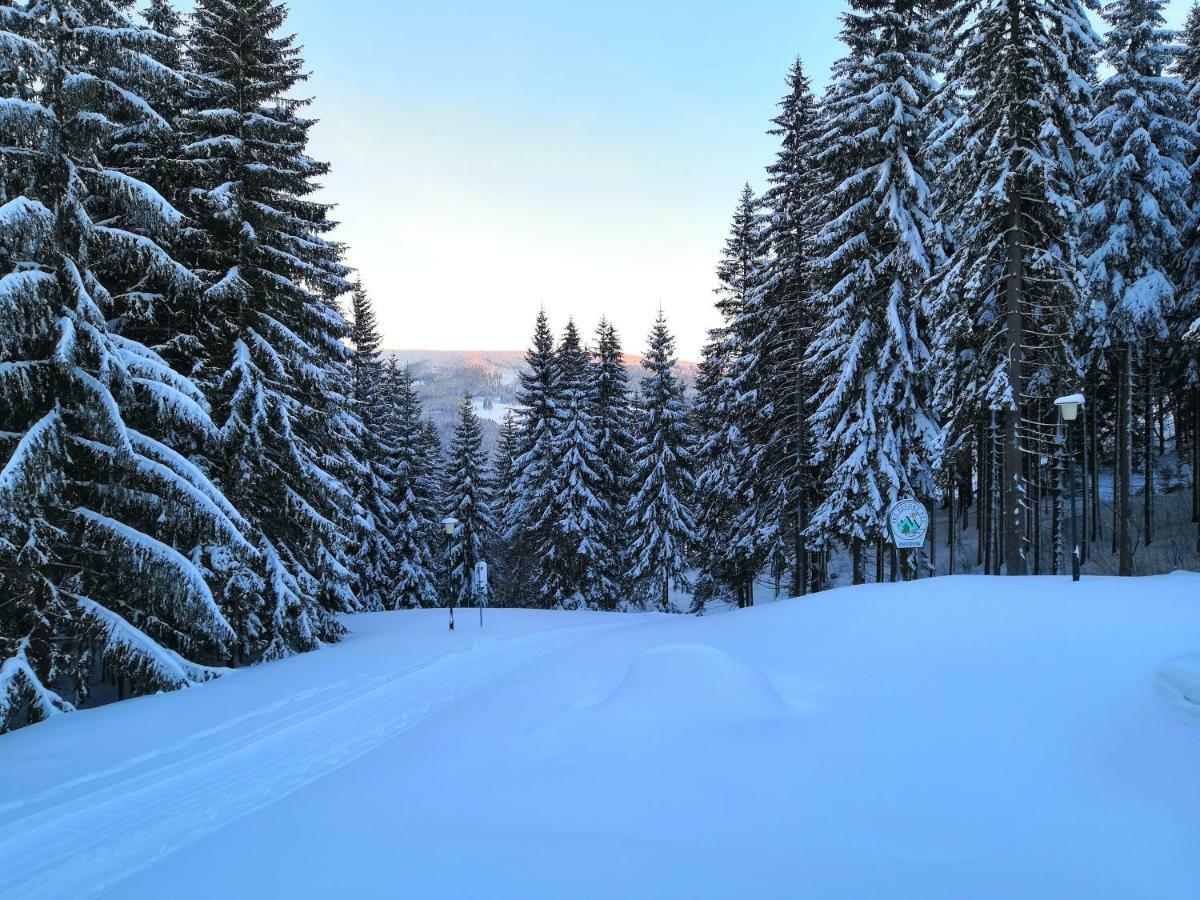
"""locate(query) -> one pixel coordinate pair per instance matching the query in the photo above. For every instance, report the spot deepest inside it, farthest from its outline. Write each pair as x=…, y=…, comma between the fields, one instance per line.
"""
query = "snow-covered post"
x=1069, y=407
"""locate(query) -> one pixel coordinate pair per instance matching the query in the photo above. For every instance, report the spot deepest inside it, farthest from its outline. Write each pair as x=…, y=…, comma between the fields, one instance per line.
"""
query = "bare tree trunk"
x=933, y=539
x=1148, y=458
x=1083, y=538
x=1014, y=487
x=859, y=562
x=1125, y=540
x=951, y=520
x=987, y=502
x=982, y=495
x=1035, y=504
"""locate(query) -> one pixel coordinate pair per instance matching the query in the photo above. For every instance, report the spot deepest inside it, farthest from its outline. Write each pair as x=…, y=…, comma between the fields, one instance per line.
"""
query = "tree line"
x=989, y=207
x=204, y=461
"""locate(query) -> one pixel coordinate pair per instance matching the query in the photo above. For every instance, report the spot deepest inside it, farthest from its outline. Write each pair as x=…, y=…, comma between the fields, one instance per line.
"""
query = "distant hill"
x=490, y=377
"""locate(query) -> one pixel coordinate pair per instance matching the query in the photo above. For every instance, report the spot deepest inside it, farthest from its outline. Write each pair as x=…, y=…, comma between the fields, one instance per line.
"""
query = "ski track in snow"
x=86, y=844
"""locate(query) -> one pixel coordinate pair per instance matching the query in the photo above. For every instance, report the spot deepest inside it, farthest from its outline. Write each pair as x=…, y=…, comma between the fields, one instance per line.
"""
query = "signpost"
x=909, y=524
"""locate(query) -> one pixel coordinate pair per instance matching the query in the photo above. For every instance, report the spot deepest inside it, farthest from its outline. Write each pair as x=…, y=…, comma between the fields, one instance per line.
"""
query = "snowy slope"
x=962, y=737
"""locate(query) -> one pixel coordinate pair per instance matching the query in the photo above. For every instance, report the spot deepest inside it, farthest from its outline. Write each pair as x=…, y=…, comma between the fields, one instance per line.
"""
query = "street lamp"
x=1069, y=407
x=450, y=526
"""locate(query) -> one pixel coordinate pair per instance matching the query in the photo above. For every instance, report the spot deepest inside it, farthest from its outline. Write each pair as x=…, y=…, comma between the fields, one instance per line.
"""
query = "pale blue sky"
x=490, y=157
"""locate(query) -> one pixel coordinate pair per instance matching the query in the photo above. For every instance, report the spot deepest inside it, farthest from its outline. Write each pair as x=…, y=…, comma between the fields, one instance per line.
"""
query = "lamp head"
x=1069, y=406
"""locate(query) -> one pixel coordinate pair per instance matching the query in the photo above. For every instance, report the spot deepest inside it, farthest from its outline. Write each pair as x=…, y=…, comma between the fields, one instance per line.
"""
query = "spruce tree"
x=114, y=547
x=1188, y=69
x=525, y=513
x=659, y=513
x=724, y=483
x=469, y=500
x=504, y=565
x=376, y=518
x=413, y=569
x=574, y=556
x=1005, y=306
x=278, y=375
x=775, y=329
x=612, y=415
x=878, y=245
x=1136, y=217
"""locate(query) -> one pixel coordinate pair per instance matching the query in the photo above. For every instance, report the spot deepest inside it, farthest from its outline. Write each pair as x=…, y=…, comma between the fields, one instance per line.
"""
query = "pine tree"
x=774, y=330
x=660, y=516
x=726, y=563
x=115, y=550
x=878, y=246
x=1137, y=215
x=1006, y=304
x=575, y=555
x=525, y=513
x=612, y=415
x=374, y=557
x=469, y=500
x=504, y=566
x=412, y=490
x=278, y=375
x=151, y=150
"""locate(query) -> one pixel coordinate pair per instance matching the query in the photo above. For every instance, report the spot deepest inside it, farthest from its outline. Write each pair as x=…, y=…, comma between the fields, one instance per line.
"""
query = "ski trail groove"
x=89, y=843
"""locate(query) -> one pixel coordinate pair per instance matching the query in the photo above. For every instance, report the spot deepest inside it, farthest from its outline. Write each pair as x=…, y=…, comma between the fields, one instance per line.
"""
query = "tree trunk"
x=1148, y=461
x=951, y=521
x=1036, y=502
x=1057, y=538
x=1083, y=537
x=1014, y=488
x=859, y=572
x=982, y=494
x=987, y=501
x=1125, y=521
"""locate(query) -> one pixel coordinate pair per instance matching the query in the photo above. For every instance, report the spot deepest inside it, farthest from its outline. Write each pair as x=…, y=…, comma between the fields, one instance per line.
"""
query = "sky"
x=490, y=158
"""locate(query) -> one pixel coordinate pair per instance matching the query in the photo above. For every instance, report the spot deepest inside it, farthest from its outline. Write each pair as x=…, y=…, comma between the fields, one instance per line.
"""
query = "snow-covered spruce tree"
x=526, y=499
x=612, y=415
x=1006, y=305
x=775, y=329
x=724, y=484
x=877, y=246
x=413, y=568
x=278, y=377
x=111, y=541
x=503, y=566
x=150, y=149
x=468, y=499
x=574, y=558
x=659, y=513
x=1188, y=279
x=1137, y=213
x=375, y=554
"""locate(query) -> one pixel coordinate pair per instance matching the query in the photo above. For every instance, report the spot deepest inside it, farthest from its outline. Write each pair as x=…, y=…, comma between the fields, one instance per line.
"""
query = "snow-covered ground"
x=960, y=737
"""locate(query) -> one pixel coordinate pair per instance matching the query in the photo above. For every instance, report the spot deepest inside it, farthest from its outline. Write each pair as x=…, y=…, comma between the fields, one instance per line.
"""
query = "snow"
x=937, y=739
x=493, y=410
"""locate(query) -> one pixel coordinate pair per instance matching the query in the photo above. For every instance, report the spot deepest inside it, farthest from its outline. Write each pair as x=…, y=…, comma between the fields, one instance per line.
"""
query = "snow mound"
x=1179, y=685
x=694, y=682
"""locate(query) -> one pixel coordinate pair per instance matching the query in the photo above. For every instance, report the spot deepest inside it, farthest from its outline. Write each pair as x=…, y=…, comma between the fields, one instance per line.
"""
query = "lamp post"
x=1069, y=407
x=450, y=526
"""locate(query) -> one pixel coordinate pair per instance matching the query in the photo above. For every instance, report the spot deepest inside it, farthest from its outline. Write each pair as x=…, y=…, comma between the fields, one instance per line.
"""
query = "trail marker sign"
x=909, y=522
